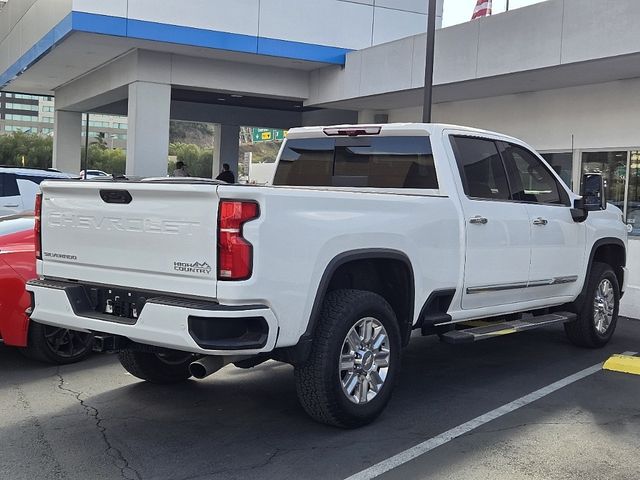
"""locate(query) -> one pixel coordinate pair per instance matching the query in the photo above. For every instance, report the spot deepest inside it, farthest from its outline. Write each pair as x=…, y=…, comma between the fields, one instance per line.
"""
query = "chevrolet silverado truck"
x=366, y=234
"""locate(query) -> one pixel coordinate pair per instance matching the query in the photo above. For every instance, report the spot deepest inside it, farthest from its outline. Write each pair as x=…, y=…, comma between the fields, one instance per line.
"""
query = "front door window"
x=562, y=163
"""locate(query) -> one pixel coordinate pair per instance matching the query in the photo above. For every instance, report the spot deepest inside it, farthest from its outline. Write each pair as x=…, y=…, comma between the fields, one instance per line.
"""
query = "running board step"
x=476, y=334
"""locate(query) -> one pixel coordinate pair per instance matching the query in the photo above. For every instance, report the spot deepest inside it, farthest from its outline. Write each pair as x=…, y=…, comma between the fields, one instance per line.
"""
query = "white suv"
x=19, y=186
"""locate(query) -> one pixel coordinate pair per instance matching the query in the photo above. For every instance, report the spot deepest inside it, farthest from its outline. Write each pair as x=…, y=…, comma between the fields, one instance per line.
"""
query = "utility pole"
x=507, y=7
x=428, y=70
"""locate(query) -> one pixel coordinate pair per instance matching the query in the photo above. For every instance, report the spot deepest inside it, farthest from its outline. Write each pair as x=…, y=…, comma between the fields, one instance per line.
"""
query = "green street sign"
x=267, y=135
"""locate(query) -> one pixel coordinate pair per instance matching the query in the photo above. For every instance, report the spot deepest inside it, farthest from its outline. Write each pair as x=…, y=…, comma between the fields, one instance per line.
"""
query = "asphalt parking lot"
x=94, y=421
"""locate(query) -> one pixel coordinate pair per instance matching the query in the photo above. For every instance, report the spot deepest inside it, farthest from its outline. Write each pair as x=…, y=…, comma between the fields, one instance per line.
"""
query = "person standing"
x=226, y=175
x=181, y=170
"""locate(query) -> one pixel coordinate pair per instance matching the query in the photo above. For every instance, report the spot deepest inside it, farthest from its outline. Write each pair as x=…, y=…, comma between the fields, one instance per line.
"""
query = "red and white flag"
x=483, y=9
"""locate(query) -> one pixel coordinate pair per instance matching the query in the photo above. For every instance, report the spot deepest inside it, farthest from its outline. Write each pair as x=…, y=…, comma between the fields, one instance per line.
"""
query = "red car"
x=17, y=265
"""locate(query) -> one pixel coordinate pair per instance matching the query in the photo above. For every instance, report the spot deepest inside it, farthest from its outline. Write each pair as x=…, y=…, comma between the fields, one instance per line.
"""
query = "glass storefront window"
x=621, y=172
x=613, y=167
x=633, y=196
x=562, y=163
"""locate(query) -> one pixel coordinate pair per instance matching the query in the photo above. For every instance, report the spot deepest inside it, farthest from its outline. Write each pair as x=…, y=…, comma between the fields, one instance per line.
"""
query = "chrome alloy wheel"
x=364, y=360
x=603, y=306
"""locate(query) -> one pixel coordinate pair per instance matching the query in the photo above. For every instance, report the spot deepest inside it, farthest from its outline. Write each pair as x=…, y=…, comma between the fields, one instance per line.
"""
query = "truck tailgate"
x=156, y=236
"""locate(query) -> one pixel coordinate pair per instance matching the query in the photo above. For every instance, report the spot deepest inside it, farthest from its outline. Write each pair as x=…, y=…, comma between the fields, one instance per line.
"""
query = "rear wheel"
x=598, y=313
x=170, y=367
x=57, y=345
x=355, y=356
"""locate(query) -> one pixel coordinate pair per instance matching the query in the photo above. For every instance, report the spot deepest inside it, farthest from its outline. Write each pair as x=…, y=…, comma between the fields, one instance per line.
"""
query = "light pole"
x=86, y=146
x=428, y=70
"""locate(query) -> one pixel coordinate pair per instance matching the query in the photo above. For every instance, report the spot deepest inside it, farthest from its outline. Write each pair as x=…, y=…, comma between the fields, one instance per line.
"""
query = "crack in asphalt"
x=126, y=471
x=261, y=464
x=271, y=457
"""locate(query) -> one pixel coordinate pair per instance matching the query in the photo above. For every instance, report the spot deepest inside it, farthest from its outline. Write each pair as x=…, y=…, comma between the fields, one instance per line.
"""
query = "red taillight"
x=37, y=226
x=235, y=254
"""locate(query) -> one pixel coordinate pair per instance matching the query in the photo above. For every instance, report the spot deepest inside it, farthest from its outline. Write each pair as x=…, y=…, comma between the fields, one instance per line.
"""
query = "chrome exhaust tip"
x=205, y=366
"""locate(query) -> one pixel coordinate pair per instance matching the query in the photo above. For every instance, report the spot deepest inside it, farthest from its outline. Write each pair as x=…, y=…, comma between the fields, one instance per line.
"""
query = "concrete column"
x=67, y=141
x=226, y=148
x=366, y=116
x=148, y=131
x=373, y=116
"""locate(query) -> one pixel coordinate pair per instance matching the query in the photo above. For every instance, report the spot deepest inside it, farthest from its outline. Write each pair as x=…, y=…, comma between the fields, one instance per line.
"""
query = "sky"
x=460, y=11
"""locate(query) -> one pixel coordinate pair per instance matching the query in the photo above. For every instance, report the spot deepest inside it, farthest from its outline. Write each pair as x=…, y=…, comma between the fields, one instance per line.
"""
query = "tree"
x=110, y=161
x=26, y=149
x=100, y=141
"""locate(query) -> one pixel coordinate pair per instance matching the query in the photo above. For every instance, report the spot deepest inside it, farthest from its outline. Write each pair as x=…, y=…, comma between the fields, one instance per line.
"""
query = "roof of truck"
x=410, y=128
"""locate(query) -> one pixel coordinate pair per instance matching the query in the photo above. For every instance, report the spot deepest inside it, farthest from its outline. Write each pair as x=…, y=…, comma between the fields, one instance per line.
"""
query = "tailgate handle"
x=116, y=196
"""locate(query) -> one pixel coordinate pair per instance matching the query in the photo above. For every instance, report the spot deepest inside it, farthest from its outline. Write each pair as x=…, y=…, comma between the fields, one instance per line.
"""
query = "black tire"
x=583, y=331
x=57, y=345
x=319, y=382
x=157, y=368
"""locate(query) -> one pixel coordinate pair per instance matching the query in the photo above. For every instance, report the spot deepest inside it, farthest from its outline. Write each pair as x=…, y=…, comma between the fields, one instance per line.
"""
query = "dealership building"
x=563, y=75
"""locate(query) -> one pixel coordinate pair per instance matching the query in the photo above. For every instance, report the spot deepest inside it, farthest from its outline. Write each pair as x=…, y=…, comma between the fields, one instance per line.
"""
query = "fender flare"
x=597, y=244
x=349, y=256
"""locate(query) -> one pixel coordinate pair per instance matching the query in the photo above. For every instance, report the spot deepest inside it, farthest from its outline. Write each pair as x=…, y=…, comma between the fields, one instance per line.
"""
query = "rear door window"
x=375, y=162
x=483, y=174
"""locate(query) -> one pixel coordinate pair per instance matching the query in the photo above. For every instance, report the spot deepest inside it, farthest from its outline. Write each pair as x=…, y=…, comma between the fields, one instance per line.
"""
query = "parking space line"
x=428, y=445
x=624, y=364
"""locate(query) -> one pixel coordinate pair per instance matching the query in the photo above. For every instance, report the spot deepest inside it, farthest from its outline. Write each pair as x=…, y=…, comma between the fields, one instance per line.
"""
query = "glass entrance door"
x=613, y=167
x=633, y=195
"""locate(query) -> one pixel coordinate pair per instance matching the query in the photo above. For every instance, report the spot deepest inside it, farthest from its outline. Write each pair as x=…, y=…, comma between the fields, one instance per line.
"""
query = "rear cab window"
x=392, y=162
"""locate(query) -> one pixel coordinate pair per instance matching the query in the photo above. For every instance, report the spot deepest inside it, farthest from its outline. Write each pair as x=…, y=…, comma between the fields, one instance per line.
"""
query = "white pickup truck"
x=367, y=233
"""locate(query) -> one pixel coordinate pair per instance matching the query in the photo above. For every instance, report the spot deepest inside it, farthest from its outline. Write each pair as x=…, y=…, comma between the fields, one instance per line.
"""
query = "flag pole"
x=428, y=70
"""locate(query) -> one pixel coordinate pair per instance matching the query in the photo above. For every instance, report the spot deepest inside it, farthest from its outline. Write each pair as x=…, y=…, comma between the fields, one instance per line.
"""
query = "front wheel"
x=355, y=356
x=598, y=313
x=170, y=367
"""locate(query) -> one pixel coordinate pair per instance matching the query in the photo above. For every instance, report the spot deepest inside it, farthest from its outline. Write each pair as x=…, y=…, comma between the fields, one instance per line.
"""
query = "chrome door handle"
x=478, y=220
x=540, y=221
